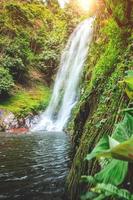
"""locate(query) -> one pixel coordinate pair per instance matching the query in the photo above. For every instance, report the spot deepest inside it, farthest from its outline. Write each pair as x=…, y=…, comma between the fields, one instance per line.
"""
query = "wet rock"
x=8, y=120
x=10, y=123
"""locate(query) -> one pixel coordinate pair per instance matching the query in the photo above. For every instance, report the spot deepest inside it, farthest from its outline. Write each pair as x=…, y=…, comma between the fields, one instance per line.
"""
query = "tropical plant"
x=103, y=191
x=114, y=154
x=128, y=81
x=120, y=145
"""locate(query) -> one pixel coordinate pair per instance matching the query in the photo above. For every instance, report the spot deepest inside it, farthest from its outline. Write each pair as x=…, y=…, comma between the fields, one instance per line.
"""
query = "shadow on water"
x=34, y=166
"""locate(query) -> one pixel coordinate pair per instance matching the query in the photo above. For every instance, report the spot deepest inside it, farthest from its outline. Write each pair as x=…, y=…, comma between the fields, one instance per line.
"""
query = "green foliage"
x=101, y=102
x=128, y=81
x=33, y=36
x=111, y=54
x=121, y=10
x=104, y=191
x=16, y=68
x=119, y=149
x=100, y=147
x=17, y=14
x=113, y=191
x=114, y=172
x=17, y=58
x=123, y=151
x=120, y=145
x=6, y=82
x=25, y=102
x=124, y=130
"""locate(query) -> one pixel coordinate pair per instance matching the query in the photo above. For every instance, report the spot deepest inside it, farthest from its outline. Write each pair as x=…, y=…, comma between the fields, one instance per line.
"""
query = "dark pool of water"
x=34, y=166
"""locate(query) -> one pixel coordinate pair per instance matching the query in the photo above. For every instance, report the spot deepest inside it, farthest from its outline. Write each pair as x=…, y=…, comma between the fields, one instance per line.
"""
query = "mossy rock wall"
x=102, y=96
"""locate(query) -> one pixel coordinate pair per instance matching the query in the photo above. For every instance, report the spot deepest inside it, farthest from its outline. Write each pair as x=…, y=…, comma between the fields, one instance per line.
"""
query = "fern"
x=111, y=190
x=103, y=191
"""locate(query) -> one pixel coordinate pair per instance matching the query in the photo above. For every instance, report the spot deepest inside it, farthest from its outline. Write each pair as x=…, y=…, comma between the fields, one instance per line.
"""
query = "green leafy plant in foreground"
x=128, y=81
x=104, y=191
x=120, y=145
x=114, y=154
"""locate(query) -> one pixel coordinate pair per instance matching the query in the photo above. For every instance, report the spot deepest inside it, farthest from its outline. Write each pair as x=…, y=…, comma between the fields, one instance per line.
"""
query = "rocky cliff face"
x=102, y=98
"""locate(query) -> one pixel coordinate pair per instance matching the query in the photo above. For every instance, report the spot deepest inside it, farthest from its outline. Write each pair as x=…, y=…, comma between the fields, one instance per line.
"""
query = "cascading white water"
x=67, y=80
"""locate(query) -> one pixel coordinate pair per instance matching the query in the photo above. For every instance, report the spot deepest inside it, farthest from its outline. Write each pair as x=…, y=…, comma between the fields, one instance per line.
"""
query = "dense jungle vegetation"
x=32, y=37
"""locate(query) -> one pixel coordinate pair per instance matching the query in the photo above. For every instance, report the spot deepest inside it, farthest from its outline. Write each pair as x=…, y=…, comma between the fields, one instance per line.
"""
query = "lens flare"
x=85, y=4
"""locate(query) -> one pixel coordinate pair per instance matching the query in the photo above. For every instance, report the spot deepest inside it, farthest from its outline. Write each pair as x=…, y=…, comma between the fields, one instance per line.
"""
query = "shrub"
x=17, y=59
x=16, y=67
x=6, y=81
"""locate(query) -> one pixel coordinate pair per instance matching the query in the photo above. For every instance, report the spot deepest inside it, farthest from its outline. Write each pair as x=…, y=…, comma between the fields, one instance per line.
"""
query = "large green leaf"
x=102, y=146
x=124, y=130
x=113, y=173
x=119, y=148
x=123, y=151
x=120, y=151
x=128, y=80
x=120, y=145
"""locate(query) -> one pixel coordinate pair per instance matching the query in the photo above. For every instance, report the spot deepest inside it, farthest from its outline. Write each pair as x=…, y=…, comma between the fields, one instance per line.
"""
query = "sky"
x=62, y=2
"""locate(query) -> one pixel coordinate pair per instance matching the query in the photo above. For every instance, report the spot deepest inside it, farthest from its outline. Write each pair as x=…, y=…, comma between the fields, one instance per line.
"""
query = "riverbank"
x=18, y=110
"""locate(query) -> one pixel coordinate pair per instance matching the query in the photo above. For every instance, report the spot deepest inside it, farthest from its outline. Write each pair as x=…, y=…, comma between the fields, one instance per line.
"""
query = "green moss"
x=25, y=102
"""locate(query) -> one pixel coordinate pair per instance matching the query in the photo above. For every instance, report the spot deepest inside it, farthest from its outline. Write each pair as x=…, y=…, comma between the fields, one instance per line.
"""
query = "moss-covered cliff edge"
x=102, y=97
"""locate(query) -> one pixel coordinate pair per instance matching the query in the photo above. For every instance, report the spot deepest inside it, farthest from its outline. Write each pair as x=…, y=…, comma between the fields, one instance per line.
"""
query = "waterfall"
x=65, y=91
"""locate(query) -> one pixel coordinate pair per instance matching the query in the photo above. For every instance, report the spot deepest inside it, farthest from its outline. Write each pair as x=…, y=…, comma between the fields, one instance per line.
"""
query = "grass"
x=25, y=101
